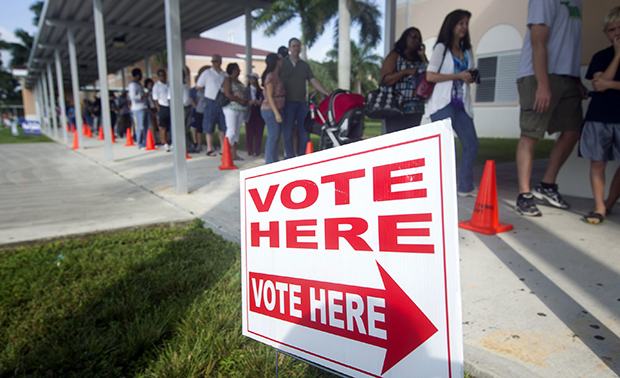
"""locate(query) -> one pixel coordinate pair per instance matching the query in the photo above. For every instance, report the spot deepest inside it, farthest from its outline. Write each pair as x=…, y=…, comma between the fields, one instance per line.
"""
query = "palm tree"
x=19, y=51
x=36, y=8
x=314, y=14
x=365, y=66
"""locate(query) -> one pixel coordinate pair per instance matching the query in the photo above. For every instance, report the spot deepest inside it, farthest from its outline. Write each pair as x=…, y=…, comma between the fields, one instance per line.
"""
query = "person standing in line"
x=272, y=106
x=187, y=111
x=152, y=118
x=550, y=94
x=138, y=98
x=600, y=137
x=450, y=67
x=161, y=93
x=198, y=102
x=294, y=73
x=210, y=82
x=402, y=69
x=124, y=118
x=235, y=110
x=255, y=125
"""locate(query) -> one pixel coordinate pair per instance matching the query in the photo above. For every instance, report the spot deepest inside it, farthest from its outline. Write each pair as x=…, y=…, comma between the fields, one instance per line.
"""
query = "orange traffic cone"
x=89, y=133
x=150, y=145
x=309, y=148
x=187, y=155
x=76, y=143
x=227, y=161
x=485, y=218
x=129, y=138
x=84, y=127
x=100, y=134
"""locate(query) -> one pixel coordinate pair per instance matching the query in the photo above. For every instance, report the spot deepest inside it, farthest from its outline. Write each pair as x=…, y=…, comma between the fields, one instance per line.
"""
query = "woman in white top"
x=235, y=111
x=450, y=67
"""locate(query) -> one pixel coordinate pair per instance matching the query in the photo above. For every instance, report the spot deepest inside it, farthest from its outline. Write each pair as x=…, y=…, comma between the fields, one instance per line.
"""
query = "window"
x=498, y=76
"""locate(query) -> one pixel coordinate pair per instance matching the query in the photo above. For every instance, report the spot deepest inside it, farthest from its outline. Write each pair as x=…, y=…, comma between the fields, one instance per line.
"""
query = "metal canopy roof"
x=140, y=22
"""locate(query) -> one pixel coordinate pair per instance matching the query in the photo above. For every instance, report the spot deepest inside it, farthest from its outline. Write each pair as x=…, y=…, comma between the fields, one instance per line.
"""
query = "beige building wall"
x=502, y=119
x=428, y=15
x=194, y=63
x=30, y=112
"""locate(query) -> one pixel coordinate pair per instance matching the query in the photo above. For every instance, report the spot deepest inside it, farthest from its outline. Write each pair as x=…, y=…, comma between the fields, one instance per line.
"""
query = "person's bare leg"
x=614, y=191
x=209, y=137
x=597, y=179
x=199, y=140
x=162, y=135
x=221, y=135
x=561, y=151
x=233, y=151
x=525, y=161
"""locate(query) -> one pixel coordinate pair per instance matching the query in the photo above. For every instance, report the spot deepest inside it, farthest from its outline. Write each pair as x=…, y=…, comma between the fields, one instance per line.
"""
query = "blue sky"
x=17, y=15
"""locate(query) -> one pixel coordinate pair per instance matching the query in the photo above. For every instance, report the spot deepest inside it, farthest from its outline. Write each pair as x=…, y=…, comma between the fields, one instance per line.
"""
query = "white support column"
x=75, y=87
x=388, y=35
x=37, y=103
x=248, y=43
x=175, y=75
x=61, y=96
x=104, y=93
x=147, y=67
x=46, y=103
x=390, y=26
x=50, y=84
x=344, y=46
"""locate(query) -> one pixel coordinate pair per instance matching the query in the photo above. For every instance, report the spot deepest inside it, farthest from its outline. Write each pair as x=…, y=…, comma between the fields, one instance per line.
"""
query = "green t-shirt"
x=294, y=78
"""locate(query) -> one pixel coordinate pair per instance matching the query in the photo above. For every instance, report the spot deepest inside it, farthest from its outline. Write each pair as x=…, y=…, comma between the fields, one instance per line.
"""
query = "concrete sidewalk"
x=539, y=301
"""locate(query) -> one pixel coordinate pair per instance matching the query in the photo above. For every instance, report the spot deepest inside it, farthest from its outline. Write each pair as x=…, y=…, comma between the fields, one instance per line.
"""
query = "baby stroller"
x=338, y=120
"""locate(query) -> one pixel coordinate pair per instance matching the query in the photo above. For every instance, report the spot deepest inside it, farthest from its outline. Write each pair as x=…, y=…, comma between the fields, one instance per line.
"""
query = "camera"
x=475, y=74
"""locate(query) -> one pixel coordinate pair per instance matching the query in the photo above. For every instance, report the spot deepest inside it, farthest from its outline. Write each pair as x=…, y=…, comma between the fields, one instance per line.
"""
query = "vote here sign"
x=350, y=256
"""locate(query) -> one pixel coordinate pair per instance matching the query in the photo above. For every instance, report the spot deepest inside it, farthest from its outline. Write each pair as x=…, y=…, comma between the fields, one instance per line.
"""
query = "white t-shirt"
x=211, y=81
x=135, y=96
x=186, y=101
x=563, y=17
x=160, y=93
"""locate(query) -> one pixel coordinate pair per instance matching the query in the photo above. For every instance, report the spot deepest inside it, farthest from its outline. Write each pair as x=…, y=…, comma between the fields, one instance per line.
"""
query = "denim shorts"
x=213, y=115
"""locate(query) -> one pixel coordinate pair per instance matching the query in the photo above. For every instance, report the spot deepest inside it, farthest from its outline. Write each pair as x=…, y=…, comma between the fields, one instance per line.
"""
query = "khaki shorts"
x=564, y=113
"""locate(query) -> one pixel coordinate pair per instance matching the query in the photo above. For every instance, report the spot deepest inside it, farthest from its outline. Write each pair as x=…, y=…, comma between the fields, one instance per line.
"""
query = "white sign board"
x=350, y=256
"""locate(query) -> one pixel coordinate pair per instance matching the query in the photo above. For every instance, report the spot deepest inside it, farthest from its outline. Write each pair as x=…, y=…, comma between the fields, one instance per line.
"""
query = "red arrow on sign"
x=386, y=318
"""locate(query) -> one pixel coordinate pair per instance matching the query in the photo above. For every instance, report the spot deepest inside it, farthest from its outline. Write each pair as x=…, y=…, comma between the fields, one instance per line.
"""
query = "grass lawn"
x=499, y=149
x=7, y=137
x=159, y=302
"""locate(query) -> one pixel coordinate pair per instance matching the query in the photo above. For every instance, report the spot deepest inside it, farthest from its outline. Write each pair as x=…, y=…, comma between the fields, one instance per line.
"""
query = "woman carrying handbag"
x=450, y=67
x=402, y=70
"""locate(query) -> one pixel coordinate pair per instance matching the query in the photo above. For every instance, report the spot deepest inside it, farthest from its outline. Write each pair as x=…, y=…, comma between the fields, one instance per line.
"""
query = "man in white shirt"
x=210, y=82
x=161, y=91
x=138, y=99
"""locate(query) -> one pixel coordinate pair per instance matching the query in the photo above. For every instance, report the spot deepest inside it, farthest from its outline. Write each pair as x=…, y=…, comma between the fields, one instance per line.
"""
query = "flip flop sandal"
x=211, y=153
x=592, y=214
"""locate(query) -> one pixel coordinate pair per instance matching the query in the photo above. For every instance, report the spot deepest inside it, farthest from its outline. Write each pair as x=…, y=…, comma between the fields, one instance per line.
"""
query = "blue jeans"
x=140, y=117
x=463, y=125
x=274, y=129
x=294, y=111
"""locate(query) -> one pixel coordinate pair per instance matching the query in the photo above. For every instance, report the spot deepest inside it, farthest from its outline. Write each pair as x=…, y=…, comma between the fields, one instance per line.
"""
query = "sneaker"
x=550, y=195
x=471, y=193
x=167, y=147
x=525, y=205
